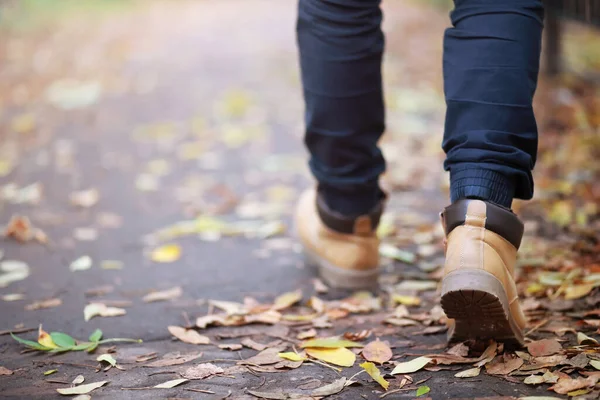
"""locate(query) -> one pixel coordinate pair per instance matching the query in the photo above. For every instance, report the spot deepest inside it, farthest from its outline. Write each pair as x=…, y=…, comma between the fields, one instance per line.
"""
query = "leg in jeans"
x=491, y=60
x=341, y=46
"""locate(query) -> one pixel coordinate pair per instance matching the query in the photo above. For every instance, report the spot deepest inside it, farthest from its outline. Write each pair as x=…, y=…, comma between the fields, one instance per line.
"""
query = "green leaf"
x=62, y=339
x=61, y=349
x=92, y=347
x=81, y=346
x=107, y=358
x=31, y=344
x=423, y=390
x=50, y=372
x=96, y=336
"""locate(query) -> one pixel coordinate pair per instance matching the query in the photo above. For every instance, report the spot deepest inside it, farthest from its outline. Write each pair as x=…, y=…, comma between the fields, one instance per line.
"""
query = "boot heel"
x=342, y=278
x=476, y=300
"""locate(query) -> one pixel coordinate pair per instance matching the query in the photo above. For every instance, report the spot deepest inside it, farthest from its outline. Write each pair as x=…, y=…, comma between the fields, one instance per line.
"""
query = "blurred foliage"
x=17, y=15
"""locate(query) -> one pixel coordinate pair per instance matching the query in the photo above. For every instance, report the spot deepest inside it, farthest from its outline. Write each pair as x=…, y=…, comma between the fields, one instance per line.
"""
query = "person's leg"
x=341, y=46
x=491, y=61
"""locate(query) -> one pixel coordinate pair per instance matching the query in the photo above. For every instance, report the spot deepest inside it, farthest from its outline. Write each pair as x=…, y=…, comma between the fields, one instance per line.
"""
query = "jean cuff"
x=483, y=184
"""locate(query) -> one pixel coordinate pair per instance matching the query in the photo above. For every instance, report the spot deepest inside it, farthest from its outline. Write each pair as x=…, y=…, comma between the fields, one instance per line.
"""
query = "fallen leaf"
x=69, y=94
x=171, y=384
x=406, y=300
x=584, y=339
x=203, y=322
x=81, y=264
x=81, y=389
x=330, y=343
x=377, y=351
x=595, y=364
x=411, y=366
x=545, y=347
x=504, y=364
x=423, y=390
x=163, y=295
x=567, y=384
x=400, y=321
x=173, y=359
x=338, y=356
x=202, y=371
x=12, y=271
x=460, y=350
x=99, y=309
x=166, y=254
x=488, y=355
x=287, y=300
x=390, y=251
x=78, y=380
x=40, y=305
x=469, y=373
x=375, y=374
x=292, y=356
x=416, y=286
x=45, y=339
x=85, y=198
x=20, y=228
x=333, y=388
x=317, y=304
x=13, y=297
x=82, y=397
x=265, y=357
x=253, y=345
x=307, y=334
x=355, y=336
x=268, y=317
x=108, y=359
x=85, y=234
x=269, y=395
x=111, y=264
x=577, y=291
x=579, y=361
x=147, y=183
x=50, y=372
x=5, y=371
x=188, y=335
x=230, y=307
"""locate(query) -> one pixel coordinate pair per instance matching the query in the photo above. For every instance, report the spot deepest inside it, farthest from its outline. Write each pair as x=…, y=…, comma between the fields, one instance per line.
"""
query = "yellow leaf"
x=44, y=339
x=330, y=343
x=166, y=254
x=578, y=291
x=81, y=389
x=188, y=335
x=411, y=366
x=375, y=374
x=296, y=318
x=340, y=356
x=287, y=300
x=561, y=213
x=406, y=300
x=292, y=356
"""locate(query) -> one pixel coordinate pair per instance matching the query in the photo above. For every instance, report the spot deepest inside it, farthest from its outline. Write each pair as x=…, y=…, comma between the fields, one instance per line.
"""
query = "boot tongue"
x=476, y=213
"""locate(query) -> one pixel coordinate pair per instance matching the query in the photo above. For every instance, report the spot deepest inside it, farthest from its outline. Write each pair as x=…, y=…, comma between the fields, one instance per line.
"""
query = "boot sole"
x=342, y=278
x=477, y=302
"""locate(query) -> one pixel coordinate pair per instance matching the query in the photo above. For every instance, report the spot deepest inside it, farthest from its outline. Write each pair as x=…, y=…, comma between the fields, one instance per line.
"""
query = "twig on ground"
x=200, y=391
x=13, y=331
x=536, y=327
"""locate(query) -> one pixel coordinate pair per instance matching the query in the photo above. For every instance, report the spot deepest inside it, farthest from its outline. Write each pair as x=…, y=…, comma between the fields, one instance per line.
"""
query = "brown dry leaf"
x=40, y=305
x=544, y=362
x=356, y=336
x=400, y=321
x=333, y=388
x=188, y=335
x=287, y=300
x=504, y=364
x=212, y=319
x=253, y=345
x=336, y=356
x=231, y=346
x=202, y=371
x=173, y=359
x=265, y=357
x=99, y=290
x=468, y=373
x=311, y=333
x=5, y=371
x=270, y=317
x=170, y=384
x=488, y=355
x=460, y=350
x=146, y=357
x=163, y=295
x=544, y=347
x=584, y=339
x=566, y=384
x=20, y=228
x=377, y=351
x=579, y=361
x=230, y=307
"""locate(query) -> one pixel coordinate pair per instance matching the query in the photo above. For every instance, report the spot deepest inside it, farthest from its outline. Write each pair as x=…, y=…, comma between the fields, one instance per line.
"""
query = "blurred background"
x=157, y=143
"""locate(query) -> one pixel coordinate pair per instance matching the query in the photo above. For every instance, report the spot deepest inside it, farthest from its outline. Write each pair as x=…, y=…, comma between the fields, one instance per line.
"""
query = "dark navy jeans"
x=491, y=62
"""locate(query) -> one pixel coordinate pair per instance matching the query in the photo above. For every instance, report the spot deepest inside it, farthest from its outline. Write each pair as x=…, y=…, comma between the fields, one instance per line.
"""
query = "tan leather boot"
x=345, y=251
x=478, y=289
